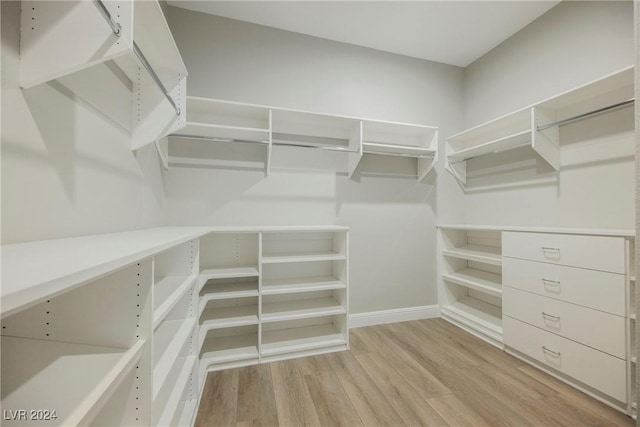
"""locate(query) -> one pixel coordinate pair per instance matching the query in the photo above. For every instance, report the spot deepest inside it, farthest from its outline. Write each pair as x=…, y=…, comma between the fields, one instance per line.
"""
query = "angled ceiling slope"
x=452, y=32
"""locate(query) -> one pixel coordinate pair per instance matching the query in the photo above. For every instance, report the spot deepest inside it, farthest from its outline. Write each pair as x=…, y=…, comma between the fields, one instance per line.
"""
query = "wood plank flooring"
x=420, y=373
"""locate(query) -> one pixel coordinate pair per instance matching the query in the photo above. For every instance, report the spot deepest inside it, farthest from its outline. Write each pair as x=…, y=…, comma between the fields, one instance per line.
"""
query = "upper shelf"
x=536, y=126
x=59, y=38
x=224, y=121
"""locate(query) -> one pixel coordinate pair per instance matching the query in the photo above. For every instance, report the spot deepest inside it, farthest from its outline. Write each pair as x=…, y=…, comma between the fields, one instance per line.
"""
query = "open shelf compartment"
x=303, y=247
x=229, y=345
x=46, y=54
x=303, y=305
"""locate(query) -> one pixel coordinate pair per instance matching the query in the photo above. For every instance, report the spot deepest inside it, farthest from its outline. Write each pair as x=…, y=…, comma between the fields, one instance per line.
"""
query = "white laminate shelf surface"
x=171, y=408
x=166, y=294
x=305, y=284
x=35, y=271
x=300, y=339
x=555, y=230
x=487, y=315
x=74, y=379
x=482, y=281
x=480, y=253
x=300, y=309
x=228, y=317
x=210, y=273
x=177, y=332
x=302, y=257
x=231, y=348
x=514, y=139
x=228, y=290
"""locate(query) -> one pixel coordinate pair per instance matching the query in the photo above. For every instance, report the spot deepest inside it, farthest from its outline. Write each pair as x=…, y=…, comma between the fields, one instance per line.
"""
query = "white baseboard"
x=392, y=316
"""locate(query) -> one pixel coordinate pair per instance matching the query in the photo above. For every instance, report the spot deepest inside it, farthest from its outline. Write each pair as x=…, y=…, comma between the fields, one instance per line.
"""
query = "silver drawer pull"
x=554, y=353
x=551, y=282
x=550, y=316
x=548, y=249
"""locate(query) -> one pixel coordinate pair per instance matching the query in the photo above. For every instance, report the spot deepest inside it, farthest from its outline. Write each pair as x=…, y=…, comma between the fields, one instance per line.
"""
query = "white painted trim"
x=395, y=315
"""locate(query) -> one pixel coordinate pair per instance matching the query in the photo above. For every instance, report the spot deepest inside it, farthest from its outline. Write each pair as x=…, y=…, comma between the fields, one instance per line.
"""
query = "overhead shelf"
x=75, y=380
x=536, y=126
x=224, y=121
x=61, y=38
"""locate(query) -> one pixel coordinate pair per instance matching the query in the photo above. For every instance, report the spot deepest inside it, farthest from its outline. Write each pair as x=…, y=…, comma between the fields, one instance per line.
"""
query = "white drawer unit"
x=596, y=289
x=594, y=368
x=604, y=253
x=597, y=329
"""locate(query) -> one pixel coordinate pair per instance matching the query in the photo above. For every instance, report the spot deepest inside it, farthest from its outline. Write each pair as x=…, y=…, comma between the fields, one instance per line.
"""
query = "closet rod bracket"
x=115, y=26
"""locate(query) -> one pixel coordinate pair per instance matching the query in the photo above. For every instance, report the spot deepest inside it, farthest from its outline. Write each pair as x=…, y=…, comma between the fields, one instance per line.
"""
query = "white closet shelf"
x=45, y=382
x=496, y=145
x=227, y=317
x=166, y=294
x=485, y=254
x=209, y=273
x=217, y=350
x=479, y=312
x=300, y=339
x=177, y=332
x=304, y=284
x=227, y=290
x=302, y=257
x=63, y=264
x=219, y=131
x=300, y=309
x=483, y=281
x=555, y=230
x=172, y=405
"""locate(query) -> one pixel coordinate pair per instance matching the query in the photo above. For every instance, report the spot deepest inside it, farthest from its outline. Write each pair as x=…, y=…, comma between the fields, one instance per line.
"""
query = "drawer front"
x=602, y=253
x=597, y=329
x=590, y=288
x=592, y=367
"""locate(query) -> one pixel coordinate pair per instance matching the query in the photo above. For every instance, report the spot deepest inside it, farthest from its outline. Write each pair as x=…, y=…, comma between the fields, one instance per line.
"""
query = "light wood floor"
x=421, y=373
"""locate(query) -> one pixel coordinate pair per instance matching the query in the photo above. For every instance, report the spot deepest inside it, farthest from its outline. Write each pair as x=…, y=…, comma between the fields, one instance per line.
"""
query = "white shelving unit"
x=471, y=280
x=60, y=38
x=272, y=293
x=223, y=132
x=536, y=126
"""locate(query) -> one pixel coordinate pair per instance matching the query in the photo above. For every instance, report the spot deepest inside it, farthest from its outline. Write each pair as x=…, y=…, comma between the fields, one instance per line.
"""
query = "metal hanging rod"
x=319, y=147
x=586, y=115
x=154, y=76
x=115, y=26
x=501, y=150
x=214, y=139
x=409, y=155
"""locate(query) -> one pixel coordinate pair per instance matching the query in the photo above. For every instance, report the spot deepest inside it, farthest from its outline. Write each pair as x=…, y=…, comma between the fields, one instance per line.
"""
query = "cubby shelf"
x=170, y=409
x=224, y=121
x=54, y=368
x=300, y=339
x=480, y=253
x=227, y=317
x=220, y=350
x=175, y=334
x=302, y=257
x=536, y=126
x=483, y=281
x=307, y=284
x=228, y=290
x=300, y=309
x=209, y=273
x=478, y=312
x=166, y=294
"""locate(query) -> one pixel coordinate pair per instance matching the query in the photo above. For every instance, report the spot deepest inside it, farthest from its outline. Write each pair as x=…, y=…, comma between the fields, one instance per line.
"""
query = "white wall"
x=393, y=258
x=572, y=44
x=66, y=166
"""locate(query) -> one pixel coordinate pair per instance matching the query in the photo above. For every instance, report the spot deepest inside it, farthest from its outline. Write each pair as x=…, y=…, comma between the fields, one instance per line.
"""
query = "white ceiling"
x=453, y=32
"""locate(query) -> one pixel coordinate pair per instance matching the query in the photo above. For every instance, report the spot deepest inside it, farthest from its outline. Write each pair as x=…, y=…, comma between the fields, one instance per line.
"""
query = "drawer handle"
x=551, y=282
x=554, y=353
x=551, y=316
x=548, y=249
